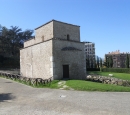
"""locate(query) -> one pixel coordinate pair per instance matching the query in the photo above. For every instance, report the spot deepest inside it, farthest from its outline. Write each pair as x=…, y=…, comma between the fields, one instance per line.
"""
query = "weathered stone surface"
x=108, y=80
x=54, y=29
x=61, y=30
x=33, y=81
x=44, y=57
x=35, y=61
x=75, y=59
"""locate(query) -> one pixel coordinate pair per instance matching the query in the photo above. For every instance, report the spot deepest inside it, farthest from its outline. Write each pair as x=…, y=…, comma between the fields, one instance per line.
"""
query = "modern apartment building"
x=119, y=59
x=90, y=53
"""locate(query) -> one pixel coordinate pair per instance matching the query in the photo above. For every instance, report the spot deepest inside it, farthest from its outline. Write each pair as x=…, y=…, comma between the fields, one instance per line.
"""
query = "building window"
x=68, y=37
x=42, y=38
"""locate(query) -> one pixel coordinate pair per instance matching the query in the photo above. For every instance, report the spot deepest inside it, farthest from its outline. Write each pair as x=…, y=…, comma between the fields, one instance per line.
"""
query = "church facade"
x=56, y=51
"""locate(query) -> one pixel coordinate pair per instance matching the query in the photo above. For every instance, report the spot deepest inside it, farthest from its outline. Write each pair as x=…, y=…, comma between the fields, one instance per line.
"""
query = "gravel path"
x=19, y=99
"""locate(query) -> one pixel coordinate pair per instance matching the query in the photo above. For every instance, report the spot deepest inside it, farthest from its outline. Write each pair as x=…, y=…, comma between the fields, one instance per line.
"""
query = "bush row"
x=93, y=69
x=117, y=70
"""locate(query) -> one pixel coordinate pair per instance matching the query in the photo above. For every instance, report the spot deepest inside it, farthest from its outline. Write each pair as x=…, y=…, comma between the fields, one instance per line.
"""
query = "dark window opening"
x=42, y=38
x=68, y=37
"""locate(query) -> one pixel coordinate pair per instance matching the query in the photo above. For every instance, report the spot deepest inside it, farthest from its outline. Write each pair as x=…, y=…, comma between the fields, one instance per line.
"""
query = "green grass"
x=93, y=86
x=124, y=76
x=53, y=84
x=83, y=86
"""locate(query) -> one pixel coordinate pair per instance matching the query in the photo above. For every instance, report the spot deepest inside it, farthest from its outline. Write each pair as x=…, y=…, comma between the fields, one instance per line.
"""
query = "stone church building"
x=56, y=51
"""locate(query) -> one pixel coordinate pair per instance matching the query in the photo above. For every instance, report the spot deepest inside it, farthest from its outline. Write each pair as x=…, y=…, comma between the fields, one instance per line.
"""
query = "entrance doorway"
x=65, y=71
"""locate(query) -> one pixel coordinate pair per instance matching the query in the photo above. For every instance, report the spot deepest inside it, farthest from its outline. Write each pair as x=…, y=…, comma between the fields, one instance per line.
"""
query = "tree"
x=110, y=62
x=0, y=30
x=4, y=35
x=1, y=59
x=13, y=39
x=105, y=62
x=100, y=62
x=97, y=62
x=87, y=63
x=91, y=62
x=127, y=61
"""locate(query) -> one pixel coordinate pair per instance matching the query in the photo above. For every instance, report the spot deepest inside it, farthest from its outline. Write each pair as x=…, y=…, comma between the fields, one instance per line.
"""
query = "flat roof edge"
x=36, y=44
x=55, y=21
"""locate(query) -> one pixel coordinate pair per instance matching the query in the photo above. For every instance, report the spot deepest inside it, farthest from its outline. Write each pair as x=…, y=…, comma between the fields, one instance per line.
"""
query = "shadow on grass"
x=6, y=96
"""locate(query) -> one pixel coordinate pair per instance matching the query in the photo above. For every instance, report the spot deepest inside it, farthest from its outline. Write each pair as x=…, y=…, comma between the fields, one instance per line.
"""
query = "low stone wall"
x=29, y=81
x=108, y=80
x=11, y=71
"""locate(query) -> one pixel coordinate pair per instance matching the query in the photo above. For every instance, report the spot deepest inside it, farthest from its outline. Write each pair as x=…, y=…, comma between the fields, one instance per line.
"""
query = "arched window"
x=68, y=37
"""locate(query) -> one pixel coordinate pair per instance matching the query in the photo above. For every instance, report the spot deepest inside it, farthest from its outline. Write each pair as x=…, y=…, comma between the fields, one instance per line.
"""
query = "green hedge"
x=118, y=70
x=93, y=69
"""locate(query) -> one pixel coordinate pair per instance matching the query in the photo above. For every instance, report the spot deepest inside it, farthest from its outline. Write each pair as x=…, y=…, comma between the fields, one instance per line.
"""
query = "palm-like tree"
x=13, y=39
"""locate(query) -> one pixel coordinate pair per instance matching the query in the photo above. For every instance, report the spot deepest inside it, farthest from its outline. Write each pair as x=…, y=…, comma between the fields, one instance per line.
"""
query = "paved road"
x=19, y=99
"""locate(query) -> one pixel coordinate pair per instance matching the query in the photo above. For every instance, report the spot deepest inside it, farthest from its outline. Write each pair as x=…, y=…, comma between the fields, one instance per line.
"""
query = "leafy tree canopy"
x=12, y=39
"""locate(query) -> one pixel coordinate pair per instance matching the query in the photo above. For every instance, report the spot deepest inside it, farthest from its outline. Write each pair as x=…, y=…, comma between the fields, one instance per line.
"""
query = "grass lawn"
x=83, y=86
x=94, y=86
x=124, y=76
x=53, y=84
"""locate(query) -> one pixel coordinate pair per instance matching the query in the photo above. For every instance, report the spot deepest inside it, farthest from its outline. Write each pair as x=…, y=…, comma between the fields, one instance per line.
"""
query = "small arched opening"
x=42, y=38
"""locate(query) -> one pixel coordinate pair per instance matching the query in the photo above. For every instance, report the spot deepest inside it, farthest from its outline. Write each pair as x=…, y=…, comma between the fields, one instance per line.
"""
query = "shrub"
x=117, y=70
x=93, y=69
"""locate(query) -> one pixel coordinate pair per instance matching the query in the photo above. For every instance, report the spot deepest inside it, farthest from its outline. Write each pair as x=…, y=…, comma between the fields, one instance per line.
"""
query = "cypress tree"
x=127, y=61
x=107, y=61
x=87, y=63
x=100, y=62
x=111, y=62
x=97, y=62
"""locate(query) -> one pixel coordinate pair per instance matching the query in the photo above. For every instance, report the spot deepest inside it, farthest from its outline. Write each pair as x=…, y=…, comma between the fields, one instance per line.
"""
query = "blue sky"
x=104, y=22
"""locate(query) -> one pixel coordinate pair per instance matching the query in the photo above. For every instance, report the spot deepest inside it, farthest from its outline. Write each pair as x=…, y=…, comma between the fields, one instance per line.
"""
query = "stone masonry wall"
x=61, y=30
x=44, y=59
x=44, y=33
x=36, y=61
x=29, y=43
x=54, y=29
x=75, y=59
